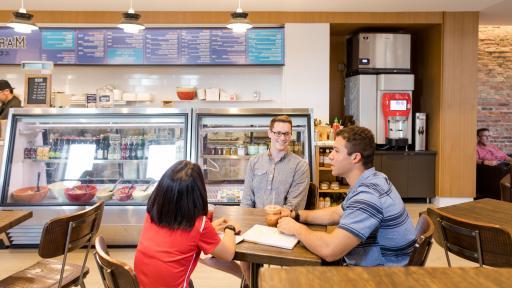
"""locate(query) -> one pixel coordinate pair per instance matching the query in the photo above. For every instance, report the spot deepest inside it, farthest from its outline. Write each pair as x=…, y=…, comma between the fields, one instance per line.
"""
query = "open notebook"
x=269, y=236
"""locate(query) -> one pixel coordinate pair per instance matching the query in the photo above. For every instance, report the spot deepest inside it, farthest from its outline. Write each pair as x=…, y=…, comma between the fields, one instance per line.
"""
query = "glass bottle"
x=142, y=148
x=124, y=150
x=105, y=147
x=99, y=150
x=130, y=149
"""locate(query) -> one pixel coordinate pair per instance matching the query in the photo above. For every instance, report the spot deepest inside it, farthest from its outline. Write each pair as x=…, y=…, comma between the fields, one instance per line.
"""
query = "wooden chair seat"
x=44, y=274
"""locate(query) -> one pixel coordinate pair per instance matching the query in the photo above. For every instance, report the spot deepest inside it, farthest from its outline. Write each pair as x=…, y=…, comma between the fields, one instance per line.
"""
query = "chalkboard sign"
x=37, y=90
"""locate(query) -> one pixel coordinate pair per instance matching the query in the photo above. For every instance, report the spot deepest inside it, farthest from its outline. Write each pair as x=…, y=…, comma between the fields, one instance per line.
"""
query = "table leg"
x=255, y=271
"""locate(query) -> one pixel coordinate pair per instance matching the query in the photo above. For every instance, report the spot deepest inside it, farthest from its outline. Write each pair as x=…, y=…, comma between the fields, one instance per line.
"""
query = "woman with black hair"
x=176, y=230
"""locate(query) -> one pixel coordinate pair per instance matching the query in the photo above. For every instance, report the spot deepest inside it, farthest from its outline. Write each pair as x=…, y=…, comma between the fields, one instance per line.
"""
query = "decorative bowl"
x=80, y=193
x=28, y=194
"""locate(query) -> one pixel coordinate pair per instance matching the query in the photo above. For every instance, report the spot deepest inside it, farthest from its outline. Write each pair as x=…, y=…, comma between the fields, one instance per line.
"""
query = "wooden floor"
x=12, y=260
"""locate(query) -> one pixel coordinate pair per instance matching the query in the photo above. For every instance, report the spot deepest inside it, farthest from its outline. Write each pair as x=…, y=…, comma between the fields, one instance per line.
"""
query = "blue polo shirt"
x=375, y=213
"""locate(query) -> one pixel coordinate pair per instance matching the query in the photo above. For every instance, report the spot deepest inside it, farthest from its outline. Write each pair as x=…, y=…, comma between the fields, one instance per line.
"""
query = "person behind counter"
x=7, y=99
x=176, y=230
x=277, y=171
x=374, y=229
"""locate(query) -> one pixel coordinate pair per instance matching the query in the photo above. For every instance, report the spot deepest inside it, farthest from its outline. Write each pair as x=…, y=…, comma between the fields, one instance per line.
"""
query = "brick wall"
x=495, y=84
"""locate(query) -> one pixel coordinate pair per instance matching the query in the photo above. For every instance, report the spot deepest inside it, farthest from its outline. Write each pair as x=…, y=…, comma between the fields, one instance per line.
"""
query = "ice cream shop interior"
x=244, y=143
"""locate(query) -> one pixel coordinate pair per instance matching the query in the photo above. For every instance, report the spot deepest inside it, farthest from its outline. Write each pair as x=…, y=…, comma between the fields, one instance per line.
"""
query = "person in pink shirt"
x=487, y=153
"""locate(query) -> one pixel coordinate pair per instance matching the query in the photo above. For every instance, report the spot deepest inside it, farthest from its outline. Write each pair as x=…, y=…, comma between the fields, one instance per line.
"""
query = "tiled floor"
x=12, y=260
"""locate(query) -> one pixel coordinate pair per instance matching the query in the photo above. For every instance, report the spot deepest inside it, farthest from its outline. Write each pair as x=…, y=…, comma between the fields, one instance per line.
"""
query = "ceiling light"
x=130, y=22
x=239, y=22
x=22, y=21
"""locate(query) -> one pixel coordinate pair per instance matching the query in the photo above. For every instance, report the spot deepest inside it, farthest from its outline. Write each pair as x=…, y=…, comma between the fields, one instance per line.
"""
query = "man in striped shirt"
x=374, y=228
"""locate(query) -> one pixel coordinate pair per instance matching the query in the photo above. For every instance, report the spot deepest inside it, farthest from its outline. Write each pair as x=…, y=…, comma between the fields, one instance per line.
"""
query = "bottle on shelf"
x=105, y=146
x=124, y=149
x=99, y=149
x=321, y=202
x=327, y=202
x=321, y=156
x=130, y=148
x=327, y=161
x=142, y=148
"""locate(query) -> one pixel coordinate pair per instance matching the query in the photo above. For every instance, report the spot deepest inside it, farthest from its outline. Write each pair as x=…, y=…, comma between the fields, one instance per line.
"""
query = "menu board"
x=38, y=90
x=153, y=46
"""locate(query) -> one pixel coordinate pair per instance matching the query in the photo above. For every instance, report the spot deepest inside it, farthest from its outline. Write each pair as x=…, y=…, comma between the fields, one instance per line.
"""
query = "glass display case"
x=78, y=156
x=225, y=139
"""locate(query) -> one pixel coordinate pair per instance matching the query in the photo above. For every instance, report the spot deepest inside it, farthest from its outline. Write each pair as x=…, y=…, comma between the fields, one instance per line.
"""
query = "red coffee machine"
x=396, y=108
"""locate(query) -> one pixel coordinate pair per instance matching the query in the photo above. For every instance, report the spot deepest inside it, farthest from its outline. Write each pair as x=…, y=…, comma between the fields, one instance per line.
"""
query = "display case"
x=225, y=139
x=57, y=159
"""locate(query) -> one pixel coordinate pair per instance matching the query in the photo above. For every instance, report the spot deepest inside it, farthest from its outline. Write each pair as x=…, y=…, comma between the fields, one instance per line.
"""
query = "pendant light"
x=239, y=22
x=22, y=21
x=130, y=22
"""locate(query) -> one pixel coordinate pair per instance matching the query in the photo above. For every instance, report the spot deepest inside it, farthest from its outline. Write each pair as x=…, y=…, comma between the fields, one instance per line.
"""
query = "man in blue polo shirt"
x=374, y=228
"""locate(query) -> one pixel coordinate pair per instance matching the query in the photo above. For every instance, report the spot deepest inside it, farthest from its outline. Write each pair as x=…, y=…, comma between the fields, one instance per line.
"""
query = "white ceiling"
x=493, y=12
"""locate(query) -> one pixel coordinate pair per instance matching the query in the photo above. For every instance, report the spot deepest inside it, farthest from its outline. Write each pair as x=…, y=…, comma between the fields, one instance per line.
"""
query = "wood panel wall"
x=204, y=17
x=456, y=167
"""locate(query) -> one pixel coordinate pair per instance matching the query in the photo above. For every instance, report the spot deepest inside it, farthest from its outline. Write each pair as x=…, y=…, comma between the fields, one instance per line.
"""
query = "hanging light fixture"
x=22, y=21
x=130, y=22
x=239, y=22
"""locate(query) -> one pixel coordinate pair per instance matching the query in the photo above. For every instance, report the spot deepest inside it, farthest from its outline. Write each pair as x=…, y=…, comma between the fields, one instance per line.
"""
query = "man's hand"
x=285, y=212
x=288, y=226
x=490, y=162
x=219, y=224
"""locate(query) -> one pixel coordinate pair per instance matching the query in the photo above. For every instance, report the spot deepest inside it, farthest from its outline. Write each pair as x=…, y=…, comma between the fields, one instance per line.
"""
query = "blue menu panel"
x=90, y=46
x=16, y=47
x=153, y=46
x=227, y=47
x=265, y=46
x=58, y=46
x=195, y=46
x=124, y=48
x=161, y=46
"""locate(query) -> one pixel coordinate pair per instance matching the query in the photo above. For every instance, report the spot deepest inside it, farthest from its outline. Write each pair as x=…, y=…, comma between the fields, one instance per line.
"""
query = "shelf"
x=95, y=161
x=341, y=190
x=227, y=157
x=325, y=168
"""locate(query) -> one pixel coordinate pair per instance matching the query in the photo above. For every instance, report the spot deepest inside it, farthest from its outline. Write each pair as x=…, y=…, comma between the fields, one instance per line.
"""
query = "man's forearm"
x=315, y=241
x=325, y=216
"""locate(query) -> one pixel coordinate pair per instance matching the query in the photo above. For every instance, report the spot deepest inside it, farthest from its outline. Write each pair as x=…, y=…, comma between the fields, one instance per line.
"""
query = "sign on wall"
x=153, y=46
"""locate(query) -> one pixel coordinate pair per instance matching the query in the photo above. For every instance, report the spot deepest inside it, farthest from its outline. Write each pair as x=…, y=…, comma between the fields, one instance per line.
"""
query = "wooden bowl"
x=28, y=194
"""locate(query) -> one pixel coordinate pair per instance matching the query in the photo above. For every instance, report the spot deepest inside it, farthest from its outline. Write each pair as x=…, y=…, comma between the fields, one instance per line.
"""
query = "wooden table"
x=11, y=218
x=485, y=211
x=382, y=277
x=257, y=254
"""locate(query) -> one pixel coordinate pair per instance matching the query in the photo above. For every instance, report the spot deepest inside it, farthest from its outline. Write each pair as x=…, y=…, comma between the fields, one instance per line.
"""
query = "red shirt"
x=166, y=258
x=489, y=152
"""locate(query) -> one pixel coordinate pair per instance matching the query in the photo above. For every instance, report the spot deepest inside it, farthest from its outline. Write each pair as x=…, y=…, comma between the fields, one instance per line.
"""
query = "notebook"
x=266, y=235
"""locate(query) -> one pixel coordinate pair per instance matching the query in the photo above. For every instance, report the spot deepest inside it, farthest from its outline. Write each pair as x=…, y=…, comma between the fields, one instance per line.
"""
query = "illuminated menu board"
x=153, y=46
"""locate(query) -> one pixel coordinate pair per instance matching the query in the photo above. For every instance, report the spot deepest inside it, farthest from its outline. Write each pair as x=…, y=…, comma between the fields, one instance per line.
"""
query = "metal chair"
x=114, y=273
x=482, y=243
x=312, y=197
x=424, y=234
x=61, y=236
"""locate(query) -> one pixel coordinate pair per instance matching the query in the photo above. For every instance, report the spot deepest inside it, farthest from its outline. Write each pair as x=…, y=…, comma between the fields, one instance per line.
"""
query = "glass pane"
x=226, y=143
x=66, y=159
